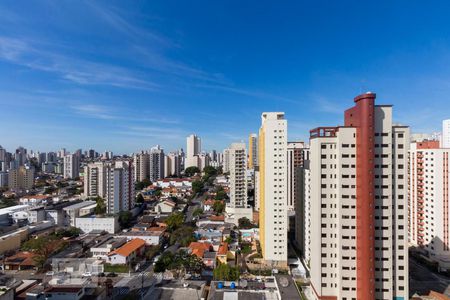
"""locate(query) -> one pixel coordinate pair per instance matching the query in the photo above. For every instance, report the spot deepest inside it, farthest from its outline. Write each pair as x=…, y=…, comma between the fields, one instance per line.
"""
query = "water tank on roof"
x=233, y=285
x=220, y=285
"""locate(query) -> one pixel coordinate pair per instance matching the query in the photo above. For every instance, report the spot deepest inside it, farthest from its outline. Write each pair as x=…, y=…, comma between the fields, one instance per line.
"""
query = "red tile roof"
x=223, y=249
x=199, y=249
x=129, y=247
x=217, y=218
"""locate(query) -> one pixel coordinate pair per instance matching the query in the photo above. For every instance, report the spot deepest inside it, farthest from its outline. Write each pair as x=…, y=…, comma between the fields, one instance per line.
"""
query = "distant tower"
x=252, y=151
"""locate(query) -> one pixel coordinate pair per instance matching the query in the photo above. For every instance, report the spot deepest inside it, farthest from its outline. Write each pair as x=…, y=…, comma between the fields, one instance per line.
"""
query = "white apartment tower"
x=238, y=178
x=120, y=194
x=358, y=202
x=238, y=207
x=429, y=200
x=445, y=134
x=273, y=220
x=71, y=166
x=95, y=180
x=193, y=149
x=156, y=163
x=226, y=161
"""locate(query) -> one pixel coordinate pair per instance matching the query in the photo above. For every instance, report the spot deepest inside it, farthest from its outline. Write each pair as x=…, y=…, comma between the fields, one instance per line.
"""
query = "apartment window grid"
x=329, y=233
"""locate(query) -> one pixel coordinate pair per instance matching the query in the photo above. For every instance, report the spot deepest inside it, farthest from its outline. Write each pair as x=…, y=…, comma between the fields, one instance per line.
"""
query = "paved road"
x=195, y=204
x=422, y=280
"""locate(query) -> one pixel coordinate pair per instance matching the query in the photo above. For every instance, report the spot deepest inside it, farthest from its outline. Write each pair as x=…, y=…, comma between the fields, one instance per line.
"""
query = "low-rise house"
x=127, y=253
x=101, y=250
x=209, y=259
x=64, y=292
x=166, y=206
x=174, y=182
x=21, y=261
x=35, y=200
x=222, y=253
x=150, y=237
x=207, y=205
x=198, y=248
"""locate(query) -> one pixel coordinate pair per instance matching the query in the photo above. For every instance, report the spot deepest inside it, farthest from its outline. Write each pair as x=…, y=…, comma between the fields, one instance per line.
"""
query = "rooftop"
x=129, y=247
x=79, y=205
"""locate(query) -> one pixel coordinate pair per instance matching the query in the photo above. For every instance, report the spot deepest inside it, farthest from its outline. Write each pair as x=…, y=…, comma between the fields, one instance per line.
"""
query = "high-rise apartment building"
x=302, y=230
x=358, y=202
x=3, y=179
x=226, y=161
x=174, y=168
x=273, y=222
x=20, y=157
x=193, y=149
x=62, y=153
x=203, y=161
x=71, y=166
x=294, y=161
x=95, y=180
x=445, y=134
x=238, y=178
x=141, y=162
x=156, y=166
x=429, y=200
x=252, y=151
x=238, y=206
x=120, y=194
x=21, y=178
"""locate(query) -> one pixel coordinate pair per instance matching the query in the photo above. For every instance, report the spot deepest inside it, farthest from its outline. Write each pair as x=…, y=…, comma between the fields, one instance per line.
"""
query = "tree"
x=226, y=273
x=151, y=251
x=244, y=223
x=139, y=199
x=100, y=209
x=210, y=171
x=43, y=247
x=49, y=190
x=218, y=207
x=174, y=221
x=184, y=235
x=68, y=233
x=221, y=195
x=197, y=186
x=164, y=262
x=142, y=184
x=125, y=218
x=191, y=171
x=189, y=263
x=197, y=212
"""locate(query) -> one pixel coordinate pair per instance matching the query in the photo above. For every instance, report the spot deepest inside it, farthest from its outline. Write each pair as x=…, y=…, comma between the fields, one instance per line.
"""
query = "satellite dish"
x=284, y=282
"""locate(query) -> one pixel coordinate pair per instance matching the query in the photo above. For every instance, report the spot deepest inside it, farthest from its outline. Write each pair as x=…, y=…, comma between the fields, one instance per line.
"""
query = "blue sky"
x=128, y=75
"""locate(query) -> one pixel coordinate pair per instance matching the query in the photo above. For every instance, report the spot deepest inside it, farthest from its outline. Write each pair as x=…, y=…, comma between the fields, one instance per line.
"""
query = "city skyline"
x=123, y=78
